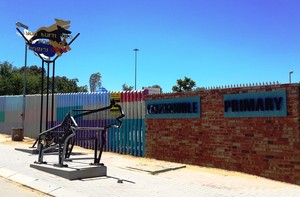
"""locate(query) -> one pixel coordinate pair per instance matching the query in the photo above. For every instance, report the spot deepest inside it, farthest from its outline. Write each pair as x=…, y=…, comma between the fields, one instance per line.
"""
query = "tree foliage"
x=156, y=86
x=185, y=85
x=126, y=87
x=95, y=81
x=12, y=81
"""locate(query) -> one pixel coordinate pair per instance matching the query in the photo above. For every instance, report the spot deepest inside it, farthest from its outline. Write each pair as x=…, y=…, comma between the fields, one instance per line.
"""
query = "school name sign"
x=259, y=104
x=173, y=108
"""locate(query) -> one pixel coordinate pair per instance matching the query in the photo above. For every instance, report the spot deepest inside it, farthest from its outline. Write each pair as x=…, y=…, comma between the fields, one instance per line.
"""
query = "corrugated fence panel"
x=134, y=135
x=89, y=101
x=129, y=139
x=5, y=114
x=32, y=115
x=78, y=104
x=116, y=136
x=2, y=113
x=104, y=116
x=13, y=111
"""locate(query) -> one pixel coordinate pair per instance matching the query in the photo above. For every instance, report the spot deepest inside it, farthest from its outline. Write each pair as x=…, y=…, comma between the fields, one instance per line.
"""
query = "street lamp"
x=135, y=66
x=290, y=76
x=19, y=24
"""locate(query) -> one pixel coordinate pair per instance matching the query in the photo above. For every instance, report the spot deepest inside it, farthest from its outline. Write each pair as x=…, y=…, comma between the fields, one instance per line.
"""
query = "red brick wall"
x=264, y=146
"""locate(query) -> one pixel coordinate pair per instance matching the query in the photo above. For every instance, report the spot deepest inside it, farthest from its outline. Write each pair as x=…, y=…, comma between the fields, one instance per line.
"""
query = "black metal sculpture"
x=62, y=137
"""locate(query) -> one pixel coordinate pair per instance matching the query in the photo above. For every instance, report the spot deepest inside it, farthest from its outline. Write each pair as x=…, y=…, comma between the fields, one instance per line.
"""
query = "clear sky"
x=214, y=42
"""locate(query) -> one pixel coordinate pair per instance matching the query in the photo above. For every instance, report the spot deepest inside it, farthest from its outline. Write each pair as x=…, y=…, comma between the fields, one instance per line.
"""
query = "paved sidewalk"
x=131, y=176
x=10, y=188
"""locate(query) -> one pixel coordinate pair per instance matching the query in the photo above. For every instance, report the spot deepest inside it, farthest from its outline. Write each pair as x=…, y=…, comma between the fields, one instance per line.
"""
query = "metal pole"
x=290, y=76
x=24, y=90
x=47, y=92
x=42, y=99
x=52, y=100
x=19, y=24
x=135, y=67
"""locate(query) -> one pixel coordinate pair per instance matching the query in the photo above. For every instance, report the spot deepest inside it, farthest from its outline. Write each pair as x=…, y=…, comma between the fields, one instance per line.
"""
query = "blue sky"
x=214, y=42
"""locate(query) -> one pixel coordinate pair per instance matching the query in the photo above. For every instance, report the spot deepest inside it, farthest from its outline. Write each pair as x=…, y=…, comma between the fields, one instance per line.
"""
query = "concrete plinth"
x=73, y=172
x=35, y=151
x=29, y=150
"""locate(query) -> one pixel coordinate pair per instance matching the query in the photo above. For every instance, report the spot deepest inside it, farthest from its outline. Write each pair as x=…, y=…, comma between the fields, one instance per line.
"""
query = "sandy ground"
x=147, y=164
x=4, y=138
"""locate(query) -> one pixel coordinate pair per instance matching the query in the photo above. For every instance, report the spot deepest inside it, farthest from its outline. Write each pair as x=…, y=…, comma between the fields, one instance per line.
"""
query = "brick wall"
x=264, y=146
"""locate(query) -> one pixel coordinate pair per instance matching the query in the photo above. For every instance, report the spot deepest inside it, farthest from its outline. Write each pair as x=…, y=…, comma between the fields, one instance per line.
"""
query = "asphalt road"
x=9, y=188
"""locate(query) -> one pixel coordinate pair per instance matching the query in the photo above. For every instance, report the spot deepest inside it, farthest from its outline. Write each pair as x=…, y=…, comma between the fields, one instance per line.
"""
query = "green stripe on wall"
x=2, y=116
x=62, y=111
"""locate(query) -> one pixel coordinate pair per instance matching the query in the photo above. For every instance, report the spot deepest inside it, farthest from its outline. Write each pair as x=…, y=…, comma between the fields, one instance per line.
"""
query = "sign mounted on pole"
x=48, y=41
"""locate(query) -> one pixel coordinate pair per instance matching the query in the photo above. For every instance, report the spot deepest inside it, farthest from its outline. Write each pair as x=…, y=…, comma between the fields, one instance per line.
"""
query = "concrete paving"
x=131, y=176
x=10, y=188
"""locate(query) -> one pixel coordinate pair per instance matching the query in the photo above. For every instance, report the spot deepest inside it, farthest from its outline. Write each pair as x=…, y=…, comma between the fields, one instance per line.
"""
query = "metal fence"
x=129, y=139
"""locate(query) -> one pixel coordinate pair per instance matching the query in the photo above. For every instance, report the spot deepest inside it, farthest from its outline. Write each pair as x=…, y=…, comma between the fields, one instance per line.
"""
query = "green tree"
x=6, y=69
x=185, y=85
x=126, y=87
x=33, y=83
x=12, y=81
x=35, y=70
x=83, y=88
x=95, y=81
x=7, y=79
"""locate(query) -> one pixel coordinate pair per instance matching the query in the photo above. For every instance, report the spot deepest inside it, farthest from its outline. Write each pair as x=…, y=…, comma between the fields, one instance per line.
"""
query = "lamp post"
x=290, y=76
x=135, y=66
x=19, y=24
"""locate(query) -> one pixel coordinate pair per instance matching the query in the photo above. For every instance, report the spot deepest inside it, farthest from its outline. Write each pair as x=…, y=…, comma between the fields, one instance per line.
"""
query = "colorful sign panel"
x=258, y=104
x=51, y=40
x=188, y=107
x=42, y=48
x=117, y=97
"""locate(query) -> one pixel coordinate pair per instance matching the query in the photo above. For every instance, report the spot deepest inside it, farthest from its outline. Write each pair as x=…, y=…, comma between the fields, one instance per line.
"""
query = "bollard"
x=17, y=134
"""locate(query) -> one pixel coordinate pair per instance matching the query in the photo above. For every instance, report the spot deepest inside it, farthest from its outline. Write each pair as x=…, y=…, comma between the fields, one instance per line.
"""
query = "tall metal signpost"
x=19, y=24
x=48, y=42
